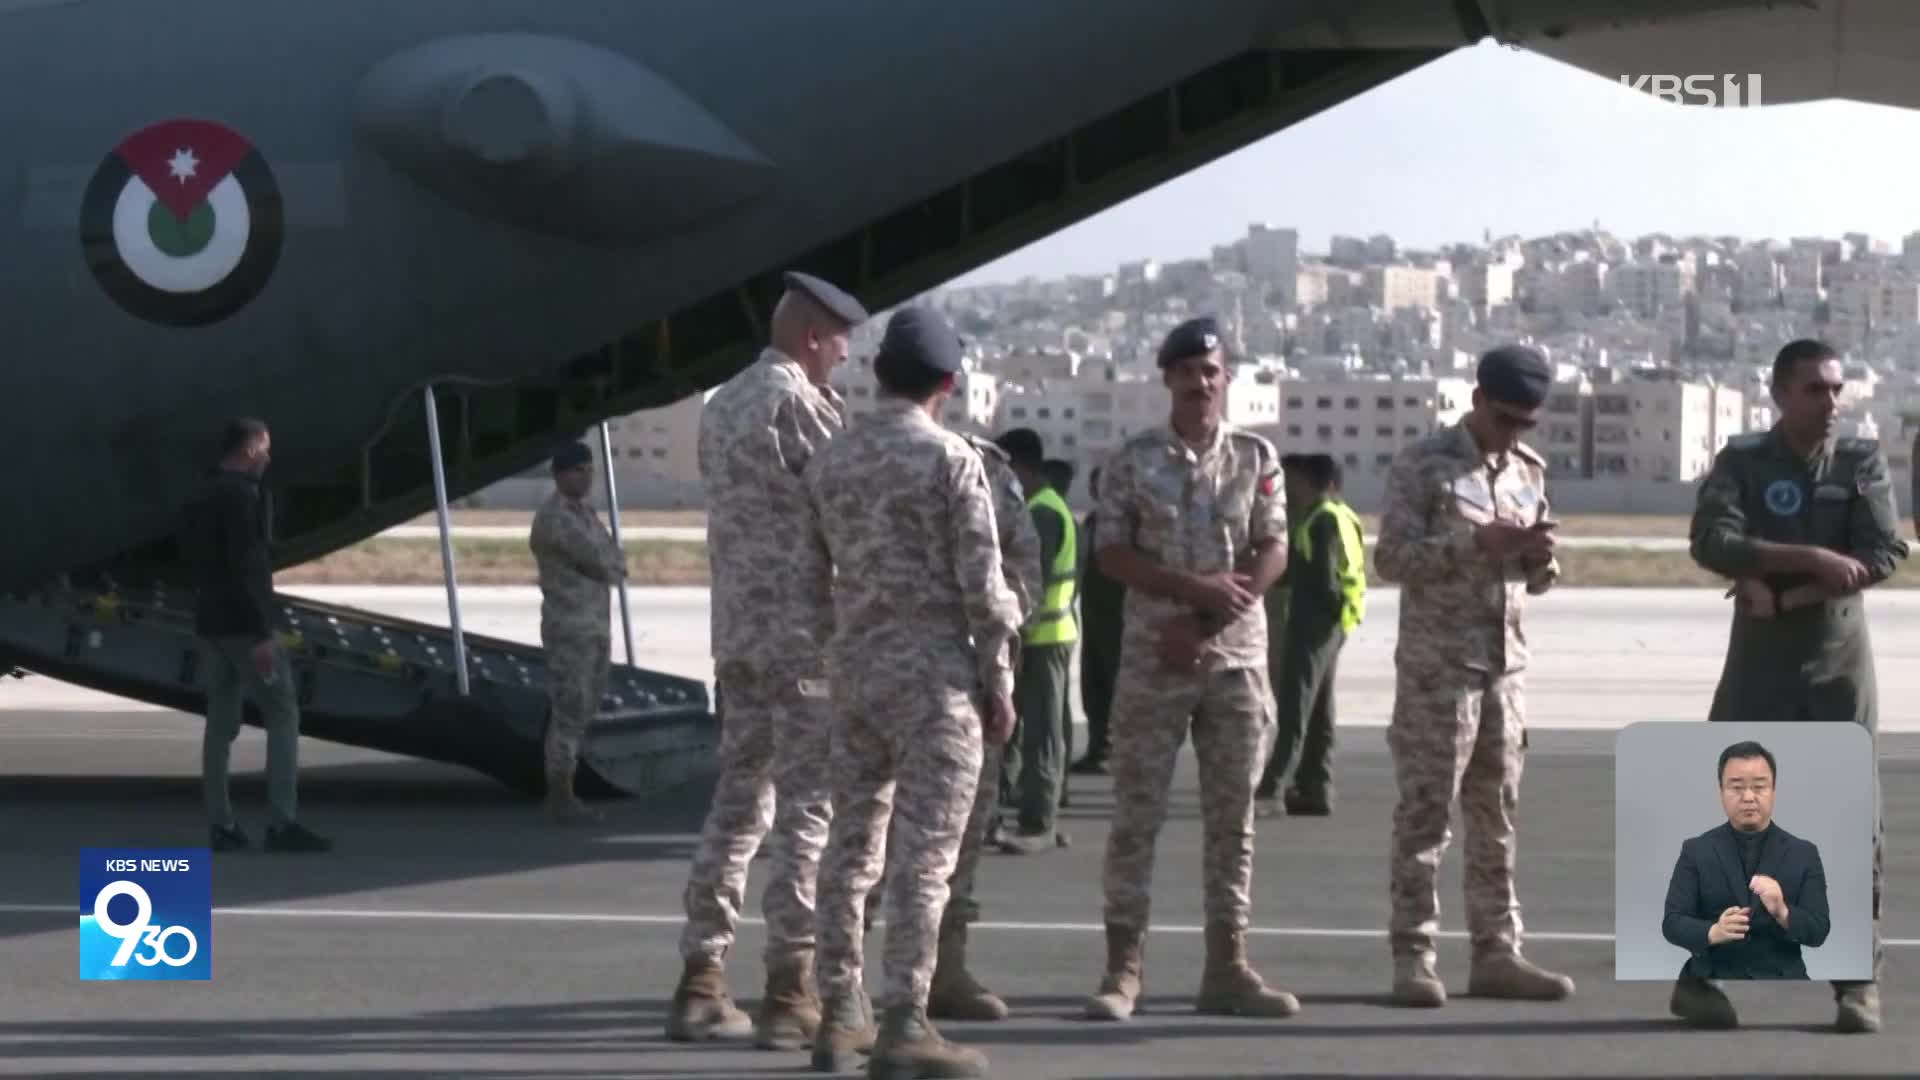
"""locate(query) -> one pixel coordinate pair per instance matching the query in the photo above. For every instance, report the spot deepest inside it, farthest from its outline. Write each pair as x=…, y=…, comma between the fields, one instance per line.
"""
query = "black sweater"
x=226, y=541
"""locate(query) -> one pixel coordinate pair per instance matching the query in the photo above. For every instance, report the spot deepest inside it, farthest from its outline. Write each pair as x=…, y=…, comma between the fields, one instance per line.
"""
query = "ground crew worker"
x=1035, y=767
x=578, y=564
x=1266, y=794
x=921, y=674
x=1327, y=598
x=1101, y=599
x=757, y=434
x=1192, y=524
x=1465, y=531
x=228, y=537
x=1059, y=474
x=1804, y=523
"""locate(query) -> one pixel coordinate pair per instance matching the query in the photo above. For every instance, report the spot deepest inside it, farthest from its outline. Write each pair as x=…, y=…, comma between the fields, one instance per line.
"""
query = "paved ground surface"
x=455, y=935
x=1602, y=656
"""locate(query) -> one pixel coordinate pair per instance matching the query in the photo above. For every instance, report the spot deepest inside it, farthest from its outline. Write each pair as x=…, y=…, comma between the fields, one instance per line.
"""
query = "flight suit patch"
x=1784, y=498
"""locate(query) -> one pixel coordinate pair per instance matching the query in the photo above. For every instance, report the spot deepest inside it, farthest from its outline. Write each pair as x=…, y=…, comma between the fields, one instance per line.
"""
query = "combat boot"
x=1230, y=987
x=1416, y=981
x=908, y=1048
x=955, y=994
x=1859, y=1010
x=562, y=804
x=1120, y=990
x=790, y=1012
x=1702, y=1005
x=1509, y=975
x=846, y=1031
x=702, y=1010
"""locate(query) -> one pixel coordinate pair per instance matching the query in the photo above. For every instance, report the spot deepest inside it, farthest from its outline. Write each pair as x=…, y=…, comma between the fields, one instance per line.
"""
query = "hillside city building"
x=1663, y=347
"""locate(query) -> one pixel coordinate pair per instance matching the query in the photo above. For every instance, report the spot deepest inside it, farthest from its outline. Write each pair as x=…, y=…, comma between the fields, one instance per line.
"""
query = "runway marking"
x=401, y=914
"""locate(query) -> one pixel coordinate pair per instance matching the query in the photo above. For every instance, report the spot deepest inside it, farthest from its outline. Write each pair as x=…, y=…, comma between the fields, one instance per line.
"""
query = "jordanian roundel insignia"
x=181, y=223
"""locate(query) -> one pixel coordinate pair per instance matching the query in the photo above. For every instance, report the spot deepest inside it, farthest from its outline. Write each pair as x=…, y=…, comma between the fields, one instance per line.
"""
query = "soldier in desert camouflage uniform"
x=956, y=994
x=923, y=628
x=757, y=434
x=578, y=564
x=1193, y=525
x=1465, y=532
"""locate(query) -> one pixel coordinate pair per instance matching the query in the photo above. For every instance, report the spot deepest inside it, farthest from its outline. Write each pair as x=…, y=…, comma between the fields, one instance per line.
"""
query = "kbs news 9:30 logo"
x=146, y=913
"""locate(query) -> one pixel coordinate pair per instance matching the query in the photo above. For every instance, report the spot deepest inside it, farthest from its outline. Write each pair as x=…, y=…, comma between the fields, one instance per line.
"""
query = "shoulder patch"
x=1747, y=440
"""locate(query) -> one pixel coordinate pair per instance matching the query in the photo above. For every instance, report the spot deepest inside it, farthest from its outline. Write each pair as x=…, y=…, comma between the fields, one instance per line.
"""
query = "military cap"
x=571, y=455
x=835, y=300
x=1296, y=462
x=919, y=338
x=1195, y=337
x=1515, y=375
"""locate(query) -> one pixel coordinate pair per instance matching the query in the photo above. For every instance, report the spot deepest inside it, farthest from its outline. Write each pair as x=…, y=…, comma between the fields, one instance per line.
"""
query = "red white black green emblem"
x=181, y=224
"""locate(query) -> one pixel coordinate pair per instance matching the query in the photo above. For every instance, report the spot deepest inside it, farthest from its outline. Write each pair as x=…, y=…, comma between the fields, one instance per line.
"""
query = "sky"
x=1494, y=138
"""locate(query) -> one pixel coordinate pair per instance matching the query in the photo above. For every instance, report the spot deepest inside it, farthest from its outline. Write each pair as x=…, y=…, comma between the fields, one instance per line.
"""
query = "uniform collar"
x=1180, y=444
x=1777, y=444
x=1469, y=448
x=899, y=409
x=774, y=358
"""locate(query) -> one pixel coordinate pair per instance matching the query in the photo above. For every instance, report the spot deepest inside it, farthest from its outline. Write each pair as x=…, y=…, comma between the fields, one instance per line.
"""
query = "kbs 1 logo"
x=146, y=913
x=1715, y=91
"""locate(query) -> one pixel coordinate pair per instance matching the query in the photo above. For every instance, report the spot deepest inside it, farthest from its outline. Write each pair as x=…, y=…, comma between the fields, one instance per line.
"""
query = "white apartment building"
x=1662, y=429
x=656, y=459
x=1391, y=288
x=1363, y=421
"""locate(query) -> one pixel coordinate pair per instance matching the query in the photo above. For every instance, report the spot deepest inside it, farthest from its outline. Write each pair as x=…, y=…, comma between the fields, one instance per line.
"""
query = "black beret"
x=571, y=455
x=1292, y=462
x=1195, y=337
x=918, y=337
x=835, y=300
x=1515, y=375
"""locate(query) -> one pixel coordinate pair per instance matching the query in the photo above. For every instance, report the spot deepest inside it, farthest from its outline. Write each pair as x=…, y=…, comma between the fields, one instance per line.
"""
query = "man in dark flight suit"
x=1803, y=522
x=1745, y=897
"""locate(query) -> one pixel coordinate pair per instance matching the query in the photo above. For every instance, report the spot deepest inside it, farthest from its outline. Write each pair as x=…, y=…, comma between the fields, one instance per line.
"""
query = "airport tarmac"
x=1602, y=657
x=454, y=934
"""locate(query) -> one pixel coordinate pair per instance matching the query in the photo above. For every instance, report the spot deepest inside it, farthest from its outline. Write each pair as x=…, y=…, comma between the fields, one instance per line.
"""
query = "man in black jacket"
x=233, y=617
x=1745, y=896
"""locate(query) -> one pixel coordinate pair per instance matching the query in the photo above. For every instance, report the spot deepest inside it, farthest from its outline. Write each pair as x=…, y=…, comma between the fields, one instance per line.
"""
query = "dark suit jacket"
x=1708, y=879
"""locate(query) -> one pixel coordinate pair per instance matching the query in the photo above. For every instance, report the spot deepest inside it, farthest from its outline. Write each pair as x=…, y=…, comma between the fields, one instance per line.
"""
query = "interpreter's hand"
x=1753, y=599
x=1839, y=574
x=1501, y=540
x=1178, y=643
x=263, y=659
x=1768, y=890
x=1732, y=926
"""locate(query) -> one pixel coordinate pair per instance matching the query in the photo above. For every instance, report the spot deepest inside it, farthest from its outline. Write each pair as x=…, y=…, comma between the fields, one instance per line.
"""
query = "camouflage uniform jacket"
x=757, y=434
x=578, y=562
x=902, y=508
x=1200, y=511
x=1019, y=543
x=1458, y=607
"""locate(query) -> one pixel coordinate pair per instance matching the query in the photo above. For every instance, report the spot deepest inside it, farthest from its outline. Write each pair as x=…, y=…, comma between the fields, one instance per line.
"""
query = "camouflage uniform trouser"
x=773, y=762
x=962, y=904
x=1456, y=734
x=577, y=669
x=907, y=754
x=1231, y=716
x=1879, y=868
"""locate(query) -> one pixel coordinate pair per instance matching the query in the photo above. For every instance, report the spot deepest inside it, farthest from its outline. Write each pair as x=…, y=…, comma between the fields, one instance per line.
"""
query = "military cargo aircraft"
x=426, y=241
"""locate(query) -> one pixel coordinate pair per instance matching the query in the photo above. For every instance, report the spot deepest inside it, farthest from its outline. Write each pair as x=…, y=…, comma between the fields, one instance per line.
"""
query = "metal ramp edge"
x=380, y=683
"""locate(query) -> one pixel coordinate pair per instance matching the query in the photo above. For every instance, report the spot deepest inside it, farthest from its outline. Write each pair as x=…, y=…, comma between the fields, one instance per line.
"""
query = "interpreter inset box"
x=1744, y=851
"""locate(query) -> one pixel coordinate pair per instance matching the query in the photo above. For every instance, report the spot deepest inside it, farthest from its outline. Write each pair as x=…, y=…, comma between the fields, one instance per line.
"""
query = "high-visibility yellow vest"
x=1052, y=622
x=1353, y=575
